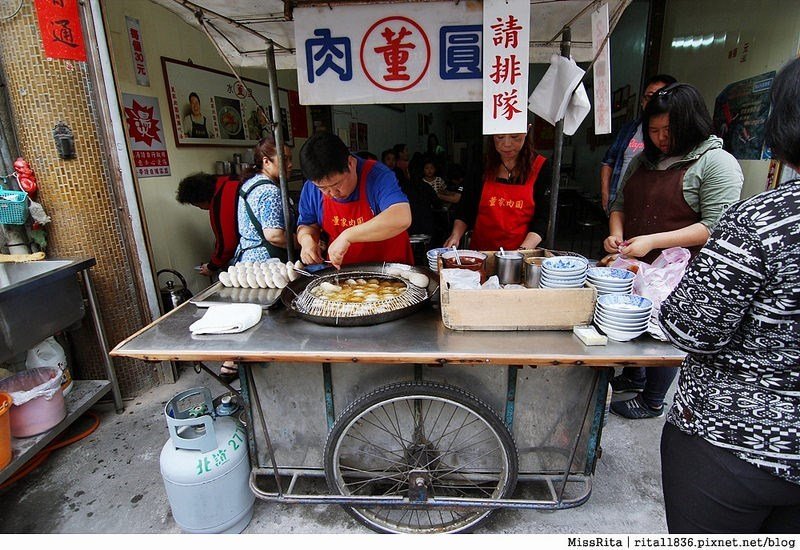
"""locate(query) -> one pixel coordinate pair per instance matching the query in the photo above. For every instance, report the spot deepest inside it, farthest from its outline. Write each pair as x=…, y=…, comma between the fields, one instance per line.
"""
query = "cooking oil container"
x=205, y=466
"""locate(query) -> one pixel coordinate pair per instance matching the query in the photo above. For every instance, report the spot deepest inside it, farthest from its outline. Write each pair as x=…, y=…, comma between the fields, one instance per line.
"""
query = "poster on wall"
x=740, y=112
x=146, y=135
x=137, y=51
x=210, y=107
x=60, y=26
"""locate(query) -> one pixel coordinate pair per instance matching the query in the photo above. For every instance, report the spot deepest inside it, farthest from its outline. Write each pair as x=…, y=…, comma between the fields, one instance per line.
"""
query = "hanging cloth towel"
x=577, y=110
x=553, y=93
x=227, y=319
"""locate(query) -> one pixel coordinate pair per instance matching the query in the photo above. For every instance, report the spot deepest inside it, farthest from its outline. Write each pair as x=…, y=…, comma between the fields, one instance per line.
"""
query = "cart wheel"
x=440, y=434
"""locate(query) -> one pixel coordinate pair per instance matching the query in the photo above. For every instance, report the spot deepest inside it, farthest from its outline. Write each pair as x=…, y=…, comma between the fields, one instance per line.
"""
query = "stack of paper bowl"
x=611, y=280
x=433, y=257
x=563, y=272
x=622, y=317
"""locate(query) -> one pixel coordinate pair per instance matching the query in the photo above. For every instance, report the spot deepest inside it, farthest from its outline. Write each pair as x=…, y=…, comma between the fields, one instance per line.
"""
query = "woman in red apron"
x=509, y=208
x=672, y=195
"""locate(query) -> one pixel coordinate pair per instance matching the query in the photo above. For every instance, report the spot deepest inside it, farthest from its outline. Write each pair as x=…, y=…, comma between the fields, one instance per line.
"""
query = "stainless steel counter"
x=420, y=338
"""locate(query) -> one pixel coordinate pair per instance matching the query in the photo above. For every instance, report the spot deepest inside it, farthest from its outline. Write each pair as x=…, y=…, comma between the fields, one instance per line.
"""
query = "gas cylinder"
x=205, y=466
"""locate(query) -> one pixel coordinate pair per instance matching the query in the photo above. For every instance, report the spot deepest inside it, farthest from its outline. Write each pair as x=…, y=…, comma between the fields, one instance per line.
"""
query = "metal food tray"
x=218, y=294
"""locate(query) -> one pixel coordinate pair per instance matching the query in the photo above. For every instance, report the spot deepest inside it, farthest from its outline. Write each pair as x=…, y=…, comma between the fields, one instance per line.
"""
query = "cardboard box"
x=516, y=309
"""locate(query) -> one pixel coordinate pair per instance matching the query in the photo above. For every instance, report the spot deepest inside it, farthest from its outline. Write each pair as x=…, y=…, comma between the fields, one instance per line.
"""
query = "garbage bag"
x=32, y=383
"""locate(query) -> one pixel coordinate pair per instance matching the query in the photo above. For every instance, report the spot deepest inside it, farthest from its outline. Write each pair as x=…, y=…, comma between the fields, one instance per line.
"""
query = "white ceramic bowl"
x=621, y=324
x=564, y=272
x=618, y=335
x=555, y=279
x=625, y=302
x=545, y=284
x=601, y=292
x=611, y=283
x=611, y=274
x=564, y=264
x=621, y=314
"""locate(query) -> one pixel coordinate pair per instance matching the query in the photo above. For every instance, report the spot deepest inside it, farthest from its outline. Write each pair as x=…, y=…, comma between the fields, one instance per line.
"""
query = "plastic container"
x=5, y=429
x=49, y=353
x=38, y=400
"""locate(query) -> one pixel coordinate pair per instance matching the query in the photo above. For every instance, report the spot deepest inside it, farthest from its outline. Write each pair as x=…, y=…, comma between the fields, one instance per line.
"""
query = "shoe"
x=636, y=409
x=228, y=374
x=623, y=384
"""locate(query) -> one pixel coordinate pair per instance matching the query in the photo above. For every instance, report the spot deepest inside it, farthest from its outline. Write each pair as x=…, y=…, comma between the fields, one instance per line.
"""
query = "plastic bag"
x=49, y=353
x=32, y=383
x=464, y=279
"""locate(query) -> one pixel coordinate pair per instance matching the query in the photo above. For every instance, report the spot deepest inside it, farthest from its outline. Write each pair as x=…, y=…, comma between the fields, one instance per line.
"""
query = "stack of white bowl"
x=563, y=272
x=611, y=280
x=622, y=317
x=433, y=257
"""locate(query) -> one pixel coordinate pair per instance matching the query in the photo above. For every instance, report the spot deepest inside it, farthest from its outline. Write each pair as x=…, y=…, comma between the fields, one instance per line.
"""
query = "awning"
x=240, y=28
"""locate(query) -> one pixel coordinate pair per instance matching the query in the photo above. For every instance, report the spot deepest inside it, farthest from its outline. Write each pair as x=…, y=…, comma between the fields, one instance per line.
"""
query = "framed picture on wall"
x=212, y=108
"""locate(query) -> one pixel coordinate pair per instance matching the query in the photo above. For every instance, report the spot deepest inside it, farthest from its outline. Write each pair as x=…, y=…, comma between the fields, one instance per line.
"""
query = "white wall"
x=180, y=235
x=771, y=30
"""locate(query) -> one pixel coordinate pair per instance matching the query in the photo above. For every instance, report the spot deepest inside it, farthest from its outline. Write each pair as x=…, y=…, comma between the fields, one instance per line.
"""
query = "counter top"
x=419, y=338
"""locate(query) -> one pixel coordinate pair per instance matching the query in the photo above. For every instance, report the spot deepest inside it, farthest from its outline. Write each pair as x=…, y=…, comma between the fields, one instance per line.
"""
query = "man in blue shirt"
x=357, y=202
x=628, y=143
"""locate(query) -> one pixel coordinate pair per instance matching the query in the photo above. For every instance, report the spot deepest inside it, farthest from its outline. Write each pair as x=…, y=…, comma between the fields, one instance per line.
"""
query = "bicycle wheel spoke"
x=453, y=439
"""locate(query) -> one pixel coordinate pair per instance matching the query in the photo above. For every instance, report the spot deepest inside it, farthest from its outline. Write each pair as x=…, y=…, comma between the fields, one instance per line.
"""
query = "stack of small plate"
x=563, y=272
x=433, y=257
x=622, y=317
x=611, y=280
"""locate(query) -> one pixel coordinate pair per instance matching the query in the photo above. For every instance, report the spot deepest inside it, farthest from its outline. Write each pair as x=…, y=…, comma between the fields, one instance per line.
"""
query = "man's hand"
x=310, y=254
x=337, y=250
x=205, y=271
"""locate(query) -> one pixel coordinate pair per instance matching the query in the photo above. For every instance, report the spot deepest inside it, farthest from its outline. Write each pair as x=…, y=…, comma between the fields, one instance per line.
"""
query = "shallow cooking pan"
x=292, y=295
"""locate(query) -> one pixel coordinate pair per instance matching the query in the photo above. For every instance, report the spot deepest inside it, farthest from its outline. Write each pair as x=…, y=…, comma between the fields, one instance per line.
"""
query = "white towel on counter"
x=227, y=319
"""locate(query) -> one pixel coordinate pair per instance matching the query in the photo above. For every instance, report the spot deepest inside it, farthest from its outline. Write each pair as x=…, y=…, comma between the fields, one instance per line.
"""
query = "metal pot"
x=172, y=296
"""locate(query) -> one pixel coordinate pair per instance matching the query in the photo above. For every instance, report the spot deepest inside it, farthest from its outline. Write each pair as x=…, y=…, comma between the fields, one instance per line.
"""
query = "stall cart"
x=415, y=428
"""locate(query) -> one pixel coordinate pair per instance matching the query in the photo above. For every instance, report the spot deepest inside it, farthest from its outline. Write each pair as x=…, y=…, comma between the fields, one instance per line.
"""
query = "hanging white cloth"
x=552, y=95
x=577, y=110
